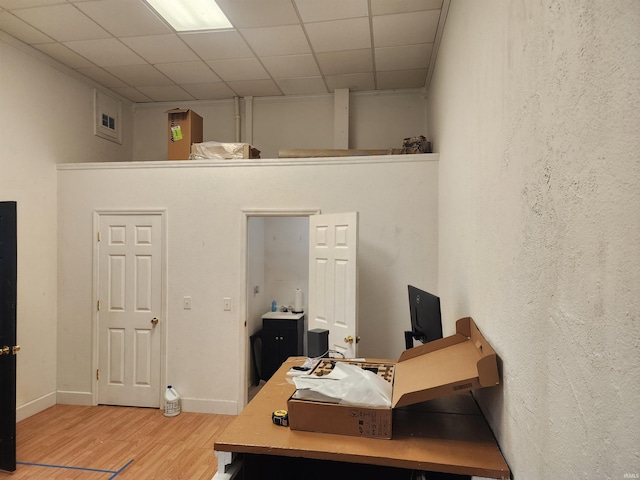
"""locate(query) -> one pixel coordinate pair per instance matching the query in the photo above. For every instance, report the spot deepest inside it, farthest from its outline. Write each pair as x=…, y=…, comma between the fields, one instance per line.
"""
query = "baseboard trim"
x=220, y=407
x=74, y=398
x=35, y=406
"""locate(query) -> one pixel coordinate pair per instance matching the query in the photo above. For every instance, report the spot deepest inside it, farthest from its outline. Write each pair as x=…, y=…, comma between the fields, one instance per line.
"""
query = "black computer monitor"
x=426, y=321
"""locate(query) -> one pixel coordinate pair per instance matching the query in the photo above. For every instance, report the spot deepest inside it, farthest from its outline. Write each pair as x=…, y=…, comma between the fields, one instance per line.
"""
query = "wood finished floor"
x=106, y=438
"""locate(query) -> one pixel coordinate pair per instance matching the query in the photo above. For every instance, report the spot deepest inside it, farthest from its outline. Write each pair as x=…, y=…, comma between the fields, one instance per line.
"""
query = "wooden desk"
x=447, y=435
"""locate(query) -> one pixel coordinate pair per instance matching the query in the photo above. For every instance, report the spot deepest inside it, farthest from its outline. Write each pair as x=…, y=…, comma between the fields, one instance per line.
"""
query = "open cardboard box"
x=456, y=364
x=184, y=129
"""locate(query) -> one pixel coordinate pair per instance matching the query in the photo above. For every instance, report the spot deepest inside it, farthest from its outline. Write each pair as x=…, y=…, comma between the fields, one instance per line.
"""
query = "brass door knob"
x=154, y=321
x=5, y=350
x=349, y=339
x=15, y=349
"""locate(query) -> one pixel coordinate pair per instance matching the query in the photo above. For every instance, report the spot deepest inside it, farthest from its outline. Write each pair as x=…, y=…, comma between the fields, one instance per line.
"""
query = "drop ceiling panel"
x=161, y=48
x=403, y=57
x=405, y=28
x=354, y=81
x=239, y=69
x=384, y=7
x=64, y=55
x=302, y=86
x=400, y=79
x=106, y=52
x=209, y=91
x=76, y=25
x=346, y=61
x=133, y=94
x=259, y=13
x=139, y=75
x=13, y=4
x=315, y=11
x=124, y=18
x=276, y=47
x=291, y=66
x=272, y=41
x=166, y=93
x=349, y=34
x=257, y=88
x=21, y=30
x=217, y=45
x=188, y=72
x=102, y=76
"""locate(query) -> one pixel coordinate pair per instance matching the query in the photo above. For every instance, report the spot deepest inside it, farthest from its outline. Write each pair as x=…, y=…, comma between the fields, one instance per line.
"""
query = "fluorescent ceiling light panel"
x=190, y=15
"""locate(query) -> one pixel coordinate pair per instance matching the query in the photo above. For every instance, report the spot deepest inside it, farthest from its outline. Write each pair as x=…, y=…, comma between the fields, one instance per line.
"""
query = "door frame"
x=162, y=212
x=243, y=351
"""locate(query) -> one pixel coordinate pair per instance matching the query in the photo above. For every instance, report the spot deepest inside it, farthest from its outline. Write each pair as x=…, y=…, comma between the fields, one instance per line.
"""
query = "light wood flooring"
x=119, y=443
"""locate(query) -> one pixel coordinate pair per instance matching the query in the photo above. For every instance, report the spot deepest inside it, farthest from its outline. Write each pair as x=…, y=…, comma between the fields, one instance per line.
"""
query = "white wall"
x=286, y=253
x=398, y=245
x=534, y=110
x=296, y=122
x=376, y=120
x=48, y=119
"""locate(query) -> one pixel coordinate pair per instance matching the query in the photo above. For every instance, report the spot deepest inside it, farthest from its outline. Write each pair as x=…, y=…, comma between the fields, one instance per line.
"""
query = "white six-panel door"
x=333, y=248
x=130, y=309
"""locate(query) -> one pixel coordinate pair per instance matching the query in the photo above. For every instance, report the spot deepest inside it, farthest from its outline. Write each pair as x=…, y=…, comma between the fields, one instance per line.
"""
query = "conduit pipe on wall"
x=248, y=120
x=236, y=101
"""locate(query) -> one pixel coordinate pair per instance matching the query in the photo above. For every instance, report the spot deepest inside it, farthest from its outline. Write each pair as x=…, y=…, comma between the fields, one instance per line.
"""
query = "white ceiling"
x=277, y=47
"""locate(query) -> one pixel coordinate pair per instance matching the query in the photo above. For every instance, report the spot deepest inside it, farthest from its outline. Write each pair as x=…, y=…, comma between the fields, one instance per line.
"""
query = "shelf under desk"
x=448, y=435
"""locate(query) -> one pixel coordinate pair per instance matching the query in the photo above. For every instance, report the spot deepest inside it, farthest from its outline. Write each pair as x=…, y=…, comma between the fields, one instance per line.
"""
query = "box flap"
x=178, y=110
x=458, y=363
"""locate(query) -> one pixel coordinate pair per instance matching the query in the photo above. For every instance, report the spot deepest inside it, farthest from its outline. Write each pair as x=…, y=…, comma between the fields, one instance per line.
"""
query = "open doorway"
x=277, y=263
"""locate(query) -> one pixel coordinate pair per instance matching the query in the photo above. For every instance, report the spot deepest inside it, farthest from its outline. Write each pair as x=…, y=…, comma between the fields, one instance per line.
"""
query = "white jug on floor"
x=171, y=402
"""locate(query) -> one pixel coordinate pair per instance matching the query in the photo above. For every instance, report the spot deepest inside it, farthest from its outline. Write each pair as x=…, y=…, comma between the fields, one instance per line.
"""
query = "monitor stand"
x=408, y=339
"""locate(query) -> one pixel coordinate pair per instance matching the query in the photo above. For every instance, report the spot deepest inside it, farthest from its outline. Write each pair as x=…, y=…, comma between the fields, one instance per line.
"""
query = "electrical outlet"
x=226, y=302
x=186, y=303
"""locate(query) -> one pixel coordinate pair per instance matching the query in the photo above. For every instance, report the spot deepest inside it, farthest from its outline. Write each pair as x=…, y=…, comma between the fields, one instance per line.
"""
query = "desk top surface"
x=444, y=435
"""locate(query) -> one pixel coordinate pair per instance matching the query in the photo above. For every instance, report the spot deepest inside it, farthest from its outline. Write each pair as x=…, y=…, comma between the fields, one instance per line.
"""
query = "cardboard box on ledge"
x=184, y=129
x=456, y=364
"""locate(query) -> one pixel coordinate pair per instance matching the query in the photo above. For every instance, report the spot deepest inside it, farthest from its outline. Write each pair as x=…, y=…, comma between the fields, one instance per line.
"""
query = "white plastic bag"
x=216, y=150
x=346, y=384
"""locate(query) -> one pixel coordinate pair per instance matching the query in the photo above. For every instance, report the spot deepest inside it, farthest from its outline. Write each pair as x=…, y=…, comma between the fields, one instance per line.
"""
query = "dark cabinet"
x=281, y=338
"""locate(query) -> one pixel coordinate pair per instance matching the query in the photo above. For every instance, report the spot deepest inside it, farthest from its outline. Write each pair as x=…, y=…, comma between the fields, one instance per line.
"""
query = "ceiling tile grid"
x=276, y=47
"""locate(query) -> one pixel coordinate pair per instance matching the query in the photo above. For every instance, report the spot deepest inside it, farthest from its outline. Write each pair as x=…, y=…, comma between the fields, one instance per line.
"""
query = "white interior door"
x=129, y=309
x=333, y=279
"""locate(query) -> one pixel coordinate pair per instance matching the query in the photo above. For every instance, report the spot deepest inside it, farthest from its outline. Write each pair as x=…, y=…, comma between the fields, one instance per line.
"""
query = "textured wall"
x=534, y=109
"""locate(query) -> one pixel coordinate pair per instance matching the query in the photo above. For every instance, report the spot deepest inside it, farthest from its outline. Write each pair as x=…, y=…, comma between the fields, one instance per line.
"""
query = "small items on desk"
x=304, y=369
x=280, y=418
